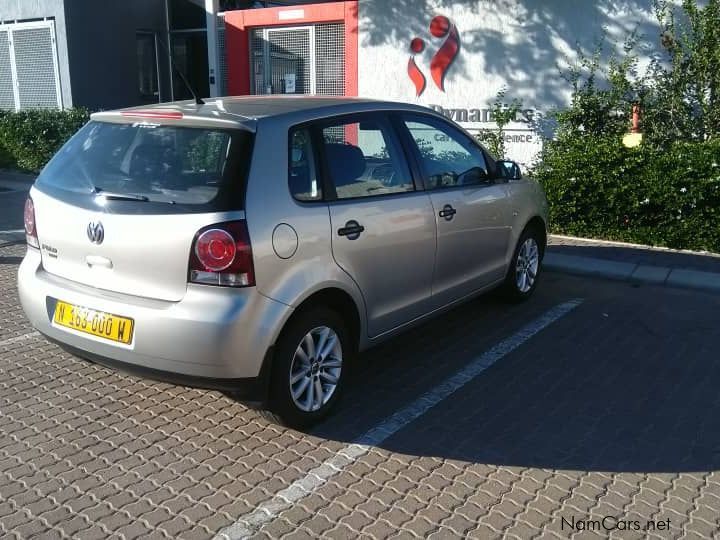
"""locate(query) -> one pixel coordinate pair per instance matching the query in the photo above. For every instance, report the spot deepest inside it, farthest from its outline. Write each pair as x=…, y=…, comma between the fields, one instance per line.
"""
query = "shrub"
x=667, y=191
x=596, y=187
x=31, y=137
x=502, y=114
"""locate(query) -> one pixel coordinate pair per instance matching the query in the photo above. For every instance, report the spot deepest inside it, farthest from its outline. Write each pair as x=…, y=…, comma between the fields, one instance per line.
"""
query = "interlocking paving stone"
x=608, y=412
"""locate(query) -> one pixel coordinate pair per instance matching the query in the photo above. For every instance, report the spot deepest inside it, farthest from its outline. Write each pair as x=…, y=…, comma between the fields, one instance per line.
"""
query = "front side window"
x=447, y=157
x=363, y=160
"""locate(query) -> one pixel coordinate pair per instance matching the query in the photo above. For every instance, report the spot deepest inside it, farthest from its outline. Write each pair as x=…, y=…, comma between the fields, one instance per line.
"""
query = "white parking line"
x=250, y=523
x=21, y=337
x=13, y=231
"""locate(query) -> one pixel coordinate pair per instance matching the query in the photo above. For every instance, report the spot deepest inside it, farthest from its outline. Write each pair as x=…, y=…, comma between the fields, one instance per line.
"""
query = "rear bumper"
x=214, y=337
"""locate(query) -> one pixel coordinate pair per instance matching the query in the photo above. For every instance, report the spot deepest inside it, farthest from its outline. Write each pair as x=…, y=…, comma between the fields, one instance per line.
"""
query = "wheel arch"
x=331, y=296
x=338, y=300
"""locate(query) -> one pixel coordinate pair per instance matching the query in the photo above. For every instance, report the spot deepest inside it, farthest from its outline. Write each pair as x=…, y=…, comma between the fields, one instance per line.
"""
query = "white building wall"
x=519, y=44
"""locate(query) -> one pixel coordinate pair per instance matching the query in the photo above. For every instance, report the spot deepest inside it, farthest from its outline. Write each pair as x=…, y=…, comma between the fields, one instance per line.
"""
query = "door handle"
x=447, y=212
x=352, y=230
x=97, y=260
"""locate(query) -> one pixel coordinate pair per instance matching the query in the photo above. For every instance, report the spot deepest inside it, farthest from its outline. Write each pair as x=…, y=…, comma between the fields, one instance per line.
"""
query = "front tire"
x=525, y=266
x=309, y=368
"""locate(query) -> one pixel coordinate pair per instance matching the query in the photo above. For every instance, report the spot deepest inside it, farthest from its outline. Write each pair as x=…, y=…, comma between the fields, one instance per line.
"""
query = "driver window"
x=448, y=159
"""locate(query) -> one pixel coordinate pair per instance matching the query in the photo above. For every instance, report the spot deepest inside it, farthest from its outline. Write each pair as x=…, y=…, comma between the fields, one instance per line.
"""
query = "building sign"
x=291, y=14
x=440, y=27
x=522, y=143
x=520, y=140
x=476, y=116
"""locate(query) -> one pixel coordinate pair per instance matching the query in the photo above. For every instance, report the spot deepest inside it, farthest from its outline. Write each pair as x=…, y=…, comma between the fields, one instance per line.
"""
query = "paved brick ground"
x=611, y=411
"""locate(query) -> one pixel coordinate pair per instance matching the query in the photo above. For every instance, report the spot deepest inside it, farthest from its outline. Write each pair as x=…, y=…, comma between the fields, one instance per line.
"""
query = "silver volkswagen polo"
x=256, y=244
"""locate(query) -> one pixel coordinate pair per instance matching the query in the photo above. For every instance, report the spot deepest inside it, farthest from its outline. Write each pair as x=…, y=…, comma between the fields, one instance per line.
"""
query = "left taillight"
x=221, y=255
x=30, y=226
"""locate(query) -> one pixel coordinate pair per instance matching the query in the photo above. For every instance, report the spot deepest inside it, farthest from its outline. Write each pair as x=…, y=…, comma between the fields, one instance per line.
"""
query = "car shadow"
x=626, y=382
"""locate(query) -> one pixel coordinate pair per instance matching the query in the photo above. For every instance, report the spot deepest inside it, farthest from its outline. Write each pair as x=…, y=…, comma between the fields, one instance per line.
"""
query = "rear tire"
x=309, y=368
x=525, y=266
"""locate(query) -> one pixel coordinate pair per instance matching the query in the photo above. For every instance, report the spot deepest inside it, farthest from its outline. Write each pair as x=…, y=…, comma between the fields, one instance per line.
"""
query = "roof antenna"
x=180, y=74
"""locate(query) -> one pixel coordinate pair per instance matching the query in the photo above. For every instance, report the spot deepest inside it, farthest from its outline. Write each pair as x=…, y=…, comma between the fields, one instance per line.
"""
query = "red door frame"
x=237, y=37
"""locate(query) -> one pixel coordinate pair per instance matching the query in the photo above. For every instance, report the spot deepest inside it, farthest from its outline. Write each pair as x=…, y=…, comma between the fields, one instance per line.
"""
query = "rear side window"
x=303, y=180
x=195, y=168
x=363, y=160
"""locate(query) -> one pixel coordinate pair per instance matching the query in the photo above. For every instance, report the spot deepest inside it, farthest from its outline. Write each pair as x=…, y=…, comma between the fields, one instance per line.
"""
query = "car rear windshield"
x=145, y=167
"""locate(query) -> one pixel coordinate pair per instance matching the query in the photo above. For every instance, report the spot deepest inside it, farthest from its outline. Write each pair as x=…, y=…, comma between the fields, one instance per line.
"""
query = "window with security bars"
x=290, y=55
x=298, y=60
x=257, y=61
x=223, y=75
x=7, y=91
x=330, y=59
x=28, y=66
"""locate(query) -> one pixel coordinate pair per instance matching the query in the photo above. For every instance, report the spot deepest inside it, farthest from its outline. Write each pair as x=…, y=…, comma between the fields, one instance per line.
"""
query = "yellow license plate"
x=95, y=323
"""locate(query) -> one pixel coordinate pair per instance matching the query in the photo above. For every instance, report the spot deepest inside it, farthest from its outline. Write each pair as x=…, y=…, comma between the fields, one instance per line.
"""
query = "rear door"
x=470, y=207
x=383, y=229
x=118, y=207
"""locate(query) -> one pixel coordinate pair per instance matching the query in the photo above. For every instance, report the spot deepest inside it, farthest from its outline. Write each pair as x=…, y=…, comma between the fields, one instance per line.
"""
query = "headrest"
x=149, y=161
x=346, y=163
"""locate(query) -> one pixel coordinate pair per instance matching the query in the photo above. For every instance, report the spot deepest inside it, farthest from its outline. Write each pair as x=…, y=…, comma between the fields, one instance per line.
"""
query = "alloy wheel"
x=315, y=369
x=526, y=266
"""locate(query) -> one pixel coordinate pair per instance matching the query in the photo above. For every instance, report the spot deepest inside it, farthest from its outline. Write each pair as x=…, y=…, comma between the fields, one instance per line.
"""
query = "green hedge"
x=29, y=138
x=6, y=159
x=598, y=188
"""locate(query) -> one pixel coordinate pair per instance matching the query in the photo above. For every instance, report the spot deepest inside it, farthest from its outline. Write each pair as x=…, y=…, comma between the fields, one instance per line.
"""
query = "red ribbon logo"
x=441, y=61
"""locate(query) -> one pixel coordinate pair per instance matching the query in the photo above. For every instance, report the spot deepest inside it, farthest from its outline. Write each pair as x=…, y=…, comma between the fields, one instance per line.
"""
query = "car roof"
x=245, y=111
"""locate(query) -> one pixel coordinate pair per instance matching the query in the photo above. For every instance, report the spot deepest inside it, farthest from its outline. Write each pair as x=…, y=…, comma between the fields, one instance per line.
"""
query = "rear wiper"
x=120, y=196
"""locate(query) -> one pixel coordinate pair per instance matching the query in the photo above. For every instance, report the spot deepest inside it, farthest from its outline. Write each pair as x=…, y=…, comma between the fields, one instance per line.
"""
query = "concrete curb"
x=16, y=181
x=579, y=241
x=631, y=272
x=17, y=176
x=7, y=238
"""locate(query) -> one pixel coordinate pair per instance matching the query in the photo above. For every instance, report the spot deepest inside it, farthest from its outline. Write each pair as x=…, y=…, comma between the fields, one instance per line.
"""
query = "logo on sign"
x=440, y=63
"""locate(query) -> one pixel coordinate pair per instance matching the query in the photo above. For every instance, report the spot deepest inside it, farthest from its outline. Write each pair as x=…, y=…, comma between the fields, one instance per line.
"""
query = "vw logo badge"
x=96, y=232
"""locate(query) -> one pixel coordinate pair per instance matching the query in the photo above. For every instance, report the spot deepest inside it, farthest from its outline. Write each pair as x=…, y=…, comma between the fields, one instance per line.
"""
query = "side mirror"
x=509, y=170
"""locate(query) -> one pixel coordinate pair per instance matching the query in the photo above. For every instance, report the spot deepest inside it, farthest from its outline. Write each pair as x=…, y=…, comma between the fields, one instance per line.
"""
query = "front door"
x=383, y=230
x=471, y=209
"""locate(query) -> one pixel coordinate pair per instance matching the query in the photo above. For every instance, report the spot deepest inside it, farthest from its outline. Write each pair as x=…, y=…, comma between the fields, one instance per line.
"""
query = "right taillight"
x=221, y=255
x=30, y=226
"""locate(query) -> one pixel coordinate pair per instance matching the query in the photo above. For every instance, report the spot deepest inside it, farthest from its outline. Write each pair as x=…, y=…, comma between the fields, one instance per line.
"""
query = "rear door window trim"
x=316, y=127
